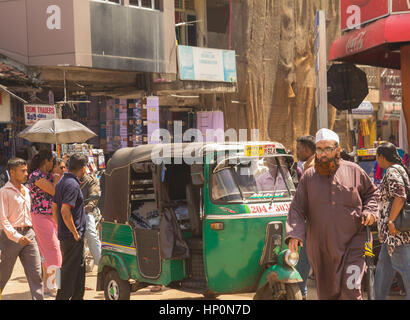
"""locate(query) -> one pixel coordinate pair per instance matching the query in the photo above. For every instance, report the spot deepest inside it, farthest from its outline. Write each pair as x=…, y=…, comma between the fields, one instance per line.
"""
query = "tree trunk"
x=274, y=43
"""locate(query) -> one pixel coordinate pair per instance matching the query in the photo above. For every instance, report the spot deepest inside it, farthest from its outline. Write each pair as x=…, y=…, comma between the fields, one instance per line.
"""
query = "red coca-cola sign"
x=358, y=12
x=355, y=43
x=400, y=6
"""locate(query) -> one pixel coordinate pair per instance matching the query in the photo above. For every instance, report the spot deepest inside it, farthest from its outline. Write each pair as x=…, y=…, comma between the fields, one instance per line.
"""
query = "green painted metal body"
x=119, y=252
x=282, y=272
x=231, y=256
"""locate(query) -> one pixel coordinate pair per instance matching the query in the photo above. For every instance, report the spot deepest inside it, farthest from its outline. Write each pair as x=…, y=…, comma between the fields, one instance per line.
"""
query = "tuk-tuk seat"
x=193, y=202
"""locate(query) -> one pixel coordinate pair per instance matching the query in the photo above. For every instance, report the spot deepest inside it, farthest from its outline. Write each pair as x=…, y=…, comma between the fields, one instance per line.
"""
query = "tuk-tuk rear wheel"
x=268, y=293
x=115, y=288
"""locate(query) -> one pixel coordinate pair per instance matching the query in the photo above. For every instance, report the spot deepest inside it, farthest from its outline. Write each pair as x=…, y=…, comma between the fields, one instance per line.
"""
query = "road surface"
x=17, y=289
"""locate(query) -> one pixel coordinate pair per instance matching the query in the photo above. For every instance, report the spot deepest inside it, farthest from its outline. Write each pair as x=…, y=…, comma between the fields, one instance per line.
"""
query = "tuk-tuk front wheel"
x=115, y=288
x=279, y=291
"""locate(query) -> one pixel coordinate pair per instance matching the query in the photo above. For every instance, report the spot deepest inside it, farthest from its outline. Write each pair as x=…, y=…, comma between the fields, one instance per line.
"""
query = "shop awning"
x=377, y=44
x=390, y=111
x=364, y=111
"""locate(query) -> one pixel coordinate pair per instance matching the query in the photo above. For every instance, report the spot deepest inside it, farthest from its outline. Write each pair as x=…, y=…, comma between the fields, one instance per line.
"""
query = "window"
x=184, y=5
x=185, y=19
x=265, y=179
x=111, y=1
x=218, y=18
x=147, y=4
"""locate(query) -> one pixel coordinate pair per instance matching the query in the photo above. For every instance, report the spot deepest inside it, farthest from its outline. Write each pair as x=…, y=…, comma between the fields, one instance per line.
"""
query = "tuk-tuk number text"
x=206, y=309
x=276, y=208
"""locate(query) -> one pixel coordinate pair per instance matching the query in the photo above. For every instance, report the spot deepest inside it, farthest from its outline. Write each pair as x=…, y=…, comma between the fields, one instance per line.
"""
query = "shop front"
x=6, y=151
x=364, y=118
x=383, y=40
x=12, y=122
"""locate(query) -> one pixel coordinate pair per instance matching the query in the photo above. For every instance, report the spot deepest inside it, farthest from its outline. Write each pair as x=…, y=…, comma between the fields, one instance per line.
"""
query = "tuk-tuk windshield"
x=260, y=179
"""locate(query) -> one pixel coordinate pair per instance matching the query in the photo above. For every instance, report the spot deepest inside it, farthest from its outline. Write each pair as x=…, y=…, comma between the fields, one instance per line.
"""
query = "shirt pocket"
x=348, y=196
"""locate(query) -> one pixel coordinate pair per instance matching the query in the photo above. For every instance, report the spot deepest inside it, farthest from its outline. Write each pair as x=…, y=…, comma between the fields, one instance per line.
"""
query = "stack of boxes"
x=134, y=123
x=144, y=121
x=109, y=124
x=120, y=123
x=103, y=124
x=93, y=119
x=116, y=140
x=123, y=123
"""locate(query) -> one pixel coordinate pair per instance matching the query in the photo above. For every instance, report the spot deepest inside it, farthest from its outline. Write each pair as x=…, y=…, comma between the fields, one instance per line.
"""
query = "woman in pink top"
x=42, y=188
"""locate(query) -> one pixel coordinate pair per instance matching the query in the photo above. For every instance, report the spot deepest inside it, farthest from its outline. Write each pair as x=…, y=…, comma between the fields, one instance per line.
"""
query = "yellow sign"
x=254, y=151
x=366, y=152
x=260, y=151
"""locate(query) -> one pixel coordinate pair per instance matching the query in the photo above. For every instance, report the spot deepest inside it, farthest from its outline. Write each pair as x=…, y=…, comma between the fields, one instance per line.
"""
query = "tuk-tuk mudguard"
x=114, y=261
x=279, y=273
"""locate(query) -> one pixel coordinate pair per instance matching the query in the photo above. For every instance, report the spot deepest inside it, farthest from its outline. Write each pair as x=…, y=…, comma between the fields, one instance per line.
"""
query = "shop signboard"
x=400, y=6
x=390, y=111
x=390, y=85
x=204, y=64
x=355, y=13
x=5, y=108
x=36, y=112
x=365, y=108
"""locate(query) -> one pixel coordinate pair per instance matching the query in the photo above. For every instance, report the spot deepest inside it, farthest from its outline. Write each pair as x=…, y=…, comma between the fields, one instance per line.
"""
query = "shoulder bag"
x=402, y=222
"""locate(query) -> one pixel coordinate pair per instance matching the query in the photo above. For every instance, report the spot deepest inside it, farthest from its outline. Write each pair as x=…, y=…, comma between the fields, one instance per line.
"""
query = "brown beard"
x=329, y=168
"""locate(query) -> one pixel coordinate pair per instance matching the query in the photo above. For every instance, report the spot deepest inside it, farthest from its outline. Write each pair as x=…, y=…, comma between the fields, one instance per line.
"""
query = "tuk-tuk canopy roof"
x=127, y=156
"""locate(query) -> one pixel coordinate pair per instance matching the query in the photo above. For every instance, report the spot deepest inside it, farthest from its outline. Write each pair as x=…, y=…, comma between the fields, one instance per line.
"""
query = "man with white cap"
x=335, y=199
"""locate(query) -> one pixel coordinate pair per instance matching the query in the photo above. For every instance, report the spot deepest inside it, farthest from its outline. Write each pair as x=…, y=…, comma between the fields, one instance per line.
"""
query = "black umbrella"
x=347, y=86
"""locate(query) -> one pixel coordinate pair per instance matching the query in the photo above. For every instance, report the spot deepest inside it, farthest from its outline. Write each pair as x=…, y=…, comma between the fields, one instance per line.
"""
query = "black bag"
x=402, y=222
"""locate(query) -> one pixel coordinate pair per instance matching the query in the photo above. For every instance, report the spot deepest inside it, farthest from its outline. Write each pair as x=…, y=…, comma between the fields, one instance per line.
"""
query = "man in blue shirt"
x=70, y=216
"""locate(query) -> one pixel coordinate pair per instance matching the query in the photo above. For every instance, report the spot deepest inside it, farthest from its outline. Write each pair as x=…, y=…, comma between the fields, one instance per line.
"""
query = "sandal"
x=156, y=288
x=52, y=293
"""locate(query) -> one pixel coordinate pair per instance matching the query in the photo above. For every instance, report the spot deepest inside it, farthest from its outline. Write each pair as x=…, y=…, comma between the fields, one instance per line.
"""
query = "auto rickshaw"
x=200, y=217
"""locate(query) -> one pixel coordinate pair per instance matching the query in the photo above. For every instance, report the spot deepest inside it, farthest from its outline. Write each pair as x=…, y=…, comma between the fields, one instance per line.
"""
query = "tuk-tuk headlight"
x=291, y=258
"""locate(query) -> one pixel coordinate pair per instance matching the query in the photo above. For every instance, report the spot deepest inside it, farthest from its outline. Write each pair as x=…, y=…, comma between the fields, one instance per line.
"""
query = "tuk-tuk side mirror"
x=197, y=174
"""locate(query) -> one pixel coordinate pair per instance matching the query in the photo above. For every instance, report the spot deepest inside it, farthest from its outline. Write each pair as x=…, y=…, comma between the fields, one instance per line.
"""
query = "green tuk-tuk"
x=200, y=217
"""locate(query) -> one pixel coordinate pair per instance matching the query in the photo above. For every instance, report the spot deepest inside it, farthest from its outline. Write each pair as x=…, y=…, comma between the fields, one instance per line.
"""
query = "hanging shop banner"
x=36, y=112
x=5, y=108
x=365, y=108
x=152, y=119
x=203, y=64
x=390, y=111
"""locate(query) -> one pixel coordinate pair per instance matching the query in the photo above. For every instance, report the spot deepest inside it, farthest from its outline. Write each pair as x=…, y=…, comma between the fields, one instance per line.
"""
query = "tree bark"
x=274, y=43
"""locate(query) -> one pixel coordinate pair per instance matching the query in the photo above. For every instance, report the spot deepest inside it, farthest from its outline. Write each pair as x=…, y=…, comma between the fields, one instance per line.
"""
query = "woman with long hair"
x=42, y=189
x=395, y=252
x=59, y=169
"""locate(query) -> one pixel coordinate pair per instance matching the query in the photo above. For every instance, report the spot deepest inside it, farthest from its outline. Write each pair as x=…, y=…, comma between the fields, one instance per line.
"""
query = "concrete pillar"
x=405, y=81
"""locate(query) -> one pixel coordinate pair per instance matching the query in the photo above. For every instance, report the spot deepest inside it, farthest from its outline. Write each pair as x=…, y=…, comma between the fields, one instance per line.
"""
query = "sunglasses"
x=327, y=150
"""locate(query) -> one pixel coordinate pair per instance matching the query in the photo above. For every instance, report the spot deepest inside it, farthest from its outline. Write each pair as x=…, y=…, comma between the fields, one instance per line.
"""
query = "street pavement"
x=17, y=289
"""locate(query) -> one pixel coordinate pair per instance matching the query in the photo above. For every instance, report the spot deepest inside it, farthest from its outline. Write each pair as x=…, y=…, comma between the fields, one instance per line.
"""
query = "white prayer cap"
x=326, y=134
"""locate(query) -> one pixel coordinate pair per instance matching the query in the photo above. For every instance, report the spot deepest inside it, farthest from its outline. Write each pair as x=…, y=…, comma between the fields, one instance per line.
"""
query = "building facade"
x=123, y=59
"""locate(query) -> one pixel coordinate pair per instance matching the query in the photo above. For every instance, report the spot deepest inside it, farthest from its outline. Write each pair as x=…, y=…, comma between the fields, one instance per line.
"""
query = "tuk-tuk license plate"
x=276, y=208
x=260, y=151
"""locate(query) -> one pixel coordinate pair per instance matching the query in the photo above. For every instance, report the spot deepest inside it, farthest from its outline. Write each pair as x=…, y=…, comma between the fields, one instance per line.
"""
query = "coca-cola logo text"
x=355, y=43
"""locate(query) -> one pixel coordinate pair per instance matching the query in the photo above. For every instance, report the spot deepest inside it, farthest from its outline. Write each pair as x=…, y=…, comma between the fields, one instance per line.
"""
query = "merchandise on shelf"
x=95, y=156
